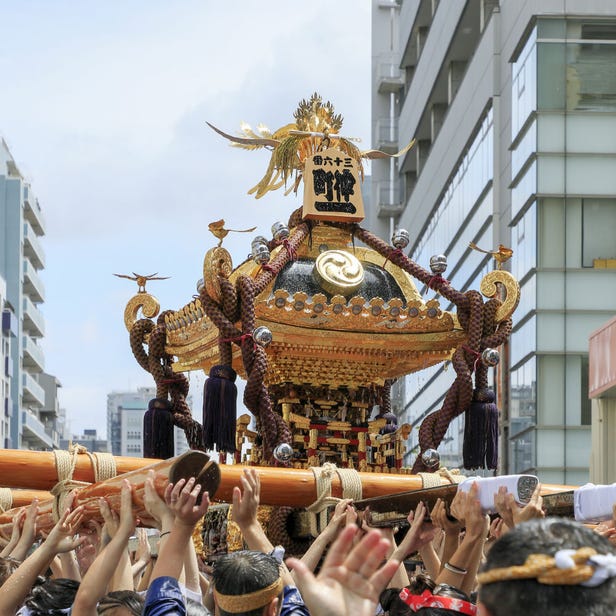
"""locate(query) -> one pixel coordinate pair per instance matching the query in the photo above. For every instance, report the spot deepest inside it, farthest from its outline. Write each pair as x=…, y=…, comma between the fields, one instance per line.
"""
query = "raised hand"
x=111, y=519
x=143, y=553
x=62, y=537
x=181, y=498
x=126, y=525
x=532, y=509
x=440, y=518
x=477, y=523
x=419, y=534
x=351, y=579
x=155, y=505
x=28, y=532
x=246, y=500
x=15, y=534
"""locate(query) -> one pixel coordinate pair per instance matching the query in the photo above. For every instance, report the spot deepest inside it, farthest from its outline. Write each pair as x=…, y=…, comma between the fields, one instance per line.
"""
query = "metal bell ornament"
x=490, y=357
x=400, y=239
x=258, y=240
x=280, y=231
x=438, y=264
x=262, y=336
x=200, y=285
x=431, y=458
x=283, y=452
x=260, y=253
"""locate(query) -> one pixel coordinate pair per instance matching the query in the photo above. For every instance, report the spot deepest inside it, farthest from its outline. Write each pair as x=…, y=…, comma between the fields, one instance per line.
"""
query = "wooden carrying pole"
x=190, y=464
x=279, y=486
x=22, y=498
x=289, y=487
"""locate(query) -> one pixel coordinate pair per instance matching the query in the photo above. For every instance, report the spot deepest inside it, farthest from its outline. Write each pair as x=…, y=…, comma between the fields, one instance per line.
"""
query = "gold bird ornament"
x=315, y=125
x=502, y=255
x=218, y=229
x=140, y=279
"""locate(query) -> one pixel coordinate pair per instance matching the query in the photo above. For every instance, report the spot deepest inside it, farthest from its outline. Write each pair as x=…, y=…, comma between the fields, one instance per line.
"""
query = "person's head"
x=425, y=598
x=121, y=603
x=7, y=568
x=521, y=597
x=247, y=583
x=52, y=597
x=195, y=609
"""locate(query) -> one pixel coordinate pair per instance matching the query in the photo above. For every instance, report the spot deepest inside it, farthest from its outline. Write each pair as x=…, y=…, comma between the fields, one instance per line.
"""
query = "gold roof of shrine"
x=324, y=338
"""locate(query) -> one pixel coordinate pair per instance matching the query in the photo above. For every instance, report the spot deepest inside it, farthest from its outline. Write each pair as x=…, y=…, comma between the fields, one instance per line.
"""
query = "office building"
x=125, y=411
x=27, y=405
x=512, y=104
x=89, y=439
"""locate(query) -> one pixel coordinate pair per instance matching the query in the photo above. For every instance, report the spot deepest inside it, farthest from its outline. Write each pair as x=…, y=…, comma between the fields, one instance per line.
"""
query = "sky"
x=104, y=107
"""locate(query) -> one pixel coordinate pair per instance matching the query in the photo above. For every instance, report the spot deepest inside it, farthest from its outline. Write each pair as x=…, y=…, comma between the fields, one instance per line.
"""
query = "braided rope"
x=104, y=466
x=323, y=476
x=543, y=568
x=351, y=483
x=476, y=319
x=169, y=385
x=435, y=480
x=430, y=480
x=66, y=461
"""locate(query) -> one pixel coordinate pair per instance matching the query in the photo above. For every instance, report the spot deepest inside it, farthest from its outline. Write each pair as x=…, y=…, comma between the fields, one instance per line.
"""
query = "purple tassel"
x=219, y=409
x=481, y=431
x=158, y=434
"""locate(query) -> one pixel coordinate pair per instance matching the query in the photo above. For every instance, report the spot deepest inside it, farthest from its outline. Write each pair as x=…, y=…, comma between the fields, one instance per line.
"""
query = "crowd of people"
x=463, y=563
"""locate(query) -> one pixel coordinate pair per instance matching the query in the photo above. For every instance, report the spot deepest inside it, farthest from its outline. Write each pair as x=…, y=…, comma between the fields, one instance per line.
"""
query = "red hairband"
x=427, y=599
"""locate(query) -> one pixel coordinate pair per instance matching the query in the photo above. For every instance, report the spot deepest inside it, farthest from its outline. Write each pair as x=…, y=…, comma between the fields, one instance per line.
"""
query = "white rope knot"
x=604, y=566
x=435, y=480
x=6, y=499
x=351, y=488
x=103, y=466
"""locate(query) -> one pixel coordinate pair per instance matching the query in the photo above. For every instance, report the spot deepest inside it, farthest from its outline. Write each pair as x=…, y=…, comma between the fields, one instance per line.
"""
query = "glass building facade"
x=563, y=214
x=462, y=215
x=513, y=106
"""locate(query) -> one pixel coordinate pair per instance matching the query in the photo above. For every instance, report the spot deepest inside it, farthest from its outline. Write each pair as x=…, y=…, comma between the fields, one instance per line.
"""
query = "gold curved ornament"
x=338, y=271
x=145, y=302
x=217, y=263
x=512, y=292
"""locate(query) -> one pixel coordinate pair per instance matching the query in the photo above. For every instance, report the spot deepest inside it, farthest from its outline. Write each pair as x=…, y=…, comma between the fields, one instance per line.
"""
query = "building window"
x=522, y=416
x=598, y=237
x=523, y=340
x=524, y=85
x=524, y=240
x=522, y=453
x=461, y=196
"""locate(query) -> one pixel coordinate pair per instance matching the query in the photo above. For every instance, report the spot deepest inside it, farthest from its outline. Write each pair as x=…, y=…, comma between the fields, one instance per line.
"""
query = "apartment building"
x=29, y=398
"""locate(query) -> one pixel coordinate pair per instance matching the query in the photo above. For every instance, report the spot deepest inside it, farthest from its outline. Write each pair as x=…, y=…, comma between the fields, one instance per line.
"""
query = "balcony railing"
x=33, y=212
x=33, y=357
x=33, y=285
x=32, y=247
x=387, y=134
x=390, y=198
x=33, y=393
x=10, y=326
x=34, y=431
x=34, y=322
x=390, y=77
